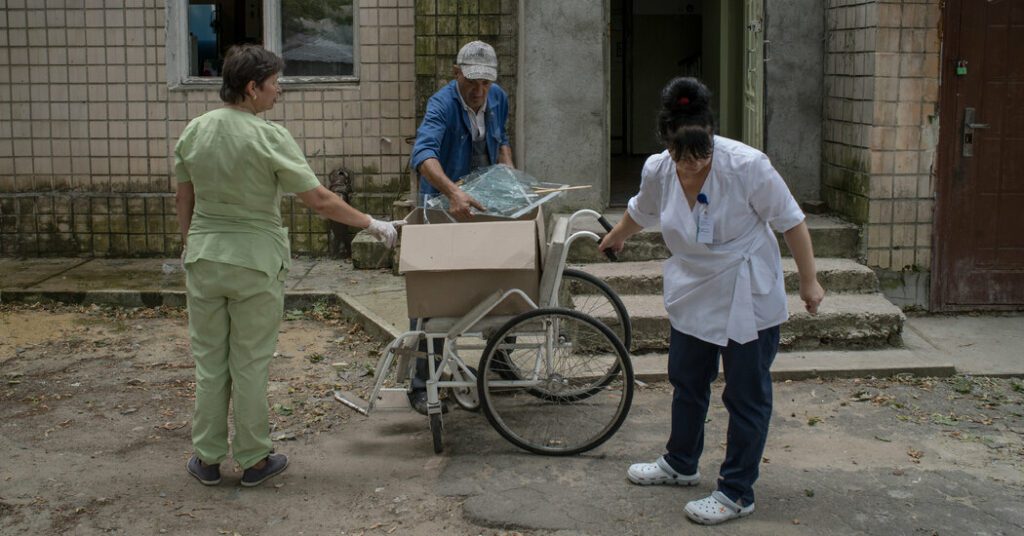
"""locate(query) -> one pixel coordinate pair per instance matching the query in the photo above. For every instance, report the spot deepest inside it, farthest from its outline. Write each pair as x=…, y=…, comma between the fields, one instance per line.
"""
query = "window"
x=316, y=38
x=215, y=25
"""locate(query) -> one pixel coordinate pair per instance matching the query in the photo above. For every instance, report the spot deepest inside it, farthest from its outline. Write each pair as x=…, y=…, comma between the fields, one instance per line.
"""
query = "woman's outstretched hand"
x=812, y=294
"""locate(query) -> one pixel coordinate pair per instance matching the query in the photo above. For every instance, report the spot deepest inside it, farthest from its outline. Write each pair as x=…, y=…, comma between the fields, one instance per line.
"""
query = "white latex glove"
x=383, y=231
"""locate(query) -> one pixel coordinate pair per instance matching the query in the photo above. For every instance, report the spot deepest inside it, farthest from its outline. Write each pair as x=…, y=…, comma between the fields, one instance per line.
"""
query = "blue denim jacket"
x=445, y=133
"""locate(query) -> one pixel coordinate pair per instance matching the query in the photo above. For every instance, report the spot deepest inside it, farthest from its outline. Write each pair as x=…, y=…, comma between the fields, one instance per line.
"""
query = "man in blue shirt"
x=463, y=129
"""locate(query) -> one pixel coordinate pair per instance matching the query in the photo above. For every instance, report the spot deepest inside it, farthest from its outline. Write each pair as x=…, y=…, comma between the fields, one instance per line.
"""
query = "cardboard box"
x=451, y=267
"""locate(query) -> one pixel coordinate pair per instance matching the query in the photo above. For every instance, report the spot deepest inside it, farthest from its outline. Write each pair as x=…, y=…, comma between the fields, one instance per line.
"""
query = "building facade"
x=861, y=104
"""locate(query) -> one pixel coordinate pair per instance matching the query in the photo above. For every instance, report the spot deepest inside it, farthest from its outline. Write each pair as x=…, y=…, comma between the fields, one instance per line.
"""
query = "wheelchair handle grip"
x=607, y=227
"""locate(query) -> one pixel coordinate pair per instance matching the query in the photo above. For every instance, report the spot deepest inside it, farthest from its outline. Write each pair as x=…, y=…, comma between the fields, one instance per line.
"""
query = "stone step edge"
x=795, y=305
x=818, y=221
x=822, y=364
x=650, y=272
x=841, y=239
x=655, y=267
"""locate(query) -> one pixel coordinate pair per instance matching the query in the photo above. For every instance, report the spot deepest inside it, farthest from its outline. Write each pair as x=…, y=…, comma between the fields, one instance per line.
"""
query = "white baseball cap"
x=478, y=61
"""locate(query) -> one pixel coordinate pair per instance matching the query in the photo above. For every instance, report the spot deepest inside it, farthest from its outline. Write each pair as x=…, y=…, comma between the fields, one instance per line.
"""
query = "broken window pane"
x=503, y=191
x=317, y=37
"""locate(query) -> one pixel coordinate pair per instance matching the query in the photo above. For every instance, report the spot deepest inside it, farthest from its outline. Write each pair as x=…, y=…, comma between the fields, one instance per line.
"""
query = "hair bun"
x=686, y=124
x=685, y=94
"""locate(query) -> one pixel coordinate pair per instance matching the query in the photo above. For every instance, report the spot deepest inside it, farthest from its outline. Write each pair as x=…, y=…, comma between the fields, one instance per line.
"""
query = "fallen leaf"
x=172, y=425
x=283, y=436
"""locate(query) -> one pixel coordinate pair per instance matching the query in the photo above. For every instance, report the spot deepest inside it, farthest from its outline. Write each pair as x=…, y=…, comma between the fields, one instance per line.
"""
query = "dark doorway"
x=653, y=41
x=979, y=224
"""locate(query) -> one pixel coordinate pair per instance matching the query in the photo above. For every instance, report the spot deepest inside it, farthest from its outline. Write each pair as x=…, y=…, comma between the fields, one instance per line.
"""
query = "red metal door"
x=979, y=231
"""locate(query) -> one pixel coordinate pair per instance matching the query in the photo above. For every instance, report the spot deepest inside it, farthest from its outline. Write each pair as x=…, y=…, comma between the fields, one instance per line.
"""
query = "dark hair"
x=245, y=63
x=685, y=123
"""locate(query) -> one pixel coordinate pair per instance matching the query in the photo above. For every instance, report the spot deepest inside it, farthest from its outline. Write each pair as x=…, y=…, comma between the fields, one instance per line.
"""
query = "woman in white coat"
x=717, y=201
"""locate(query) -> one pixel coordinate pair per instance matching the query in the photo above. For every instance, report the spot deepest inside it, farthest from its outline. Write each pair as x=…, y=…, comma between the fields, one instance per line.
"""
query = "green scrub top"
x=239, y=164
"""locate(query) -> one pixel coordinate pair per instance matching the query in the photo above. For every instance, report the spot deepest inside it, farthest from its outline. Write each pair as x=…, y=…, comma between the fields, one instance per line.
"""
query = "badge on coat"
x=705, y=225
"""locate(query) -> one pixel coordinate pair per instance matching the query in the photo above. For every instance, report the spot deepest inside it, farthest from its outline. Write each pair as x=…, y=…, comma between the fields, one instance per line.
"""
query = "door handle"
x=967, y=139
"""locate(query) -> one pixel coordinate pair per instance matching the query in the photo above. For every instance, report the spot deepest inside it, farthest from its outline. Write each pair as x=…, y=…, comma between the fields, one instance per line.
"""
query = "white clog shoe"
x=715, y=509
x=659, y=473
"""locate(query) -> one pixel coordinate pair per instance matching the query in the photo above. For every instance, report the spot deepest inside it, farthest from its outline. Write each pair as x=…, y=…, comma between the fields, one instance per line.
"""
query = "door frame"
x=942, y=267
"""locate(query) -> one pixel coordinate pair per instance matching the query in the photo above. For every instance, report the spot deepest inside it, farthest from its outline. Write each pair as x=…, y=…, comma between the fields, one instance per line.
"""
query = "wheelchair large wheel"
x=590, y=295
x=572, y=382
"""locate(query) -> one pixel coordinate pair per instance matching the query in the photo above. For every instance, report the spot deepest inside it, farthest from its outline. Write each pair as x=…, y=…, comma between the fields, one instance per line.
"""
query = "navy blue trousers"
x=692, y=366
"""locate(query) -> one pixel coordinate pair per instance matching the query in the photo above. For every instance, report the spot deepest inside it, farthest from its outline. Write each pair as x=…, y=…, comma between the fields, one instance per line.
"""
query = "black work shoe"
x=418, y=401
x=276, y=464
x=209, y=475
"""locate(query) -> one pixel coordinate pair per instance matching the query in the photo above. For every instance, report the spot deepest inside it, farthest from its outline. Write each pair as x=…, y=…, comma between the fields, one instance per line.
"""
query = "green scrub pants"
x=233, y=317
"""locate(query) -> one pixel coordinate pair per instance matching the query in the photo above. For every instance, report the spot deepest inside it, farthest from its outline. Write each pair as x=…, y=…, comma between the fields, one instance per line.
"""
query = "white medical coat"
x=732, y=288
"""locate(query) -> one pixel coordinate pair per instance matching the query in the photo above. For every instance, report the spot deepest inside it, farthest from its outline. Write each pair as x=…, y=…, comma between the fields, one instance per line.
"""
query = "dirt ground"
x=95, y=407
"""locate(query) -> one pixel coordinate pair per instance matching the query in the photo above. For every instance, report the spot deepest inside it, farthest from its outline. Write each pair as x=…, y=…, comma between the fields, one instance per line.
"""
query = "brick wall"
x=881, y=125
x=88, y=124
x=848, y=114
x=443, y=26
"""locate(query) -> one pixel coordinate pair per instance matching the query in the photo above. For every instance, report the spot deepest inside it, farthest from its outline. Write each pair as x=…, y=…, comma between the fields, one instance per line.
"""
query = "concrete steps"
x=844, y=321
x=854, y=320
x=823, y=364
x=832, y=237
x=645, y=277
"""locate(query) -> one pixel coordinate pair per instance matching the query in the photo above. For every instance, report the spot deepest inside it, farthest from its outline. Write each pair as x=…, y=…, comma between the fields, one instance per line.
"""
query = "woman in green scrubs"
x=231, y=167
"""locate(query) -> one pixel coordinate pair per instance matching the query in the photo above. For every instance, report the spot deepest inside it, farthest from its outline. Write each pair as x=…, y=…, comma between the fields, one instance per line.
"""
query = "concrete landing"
x=973, y=344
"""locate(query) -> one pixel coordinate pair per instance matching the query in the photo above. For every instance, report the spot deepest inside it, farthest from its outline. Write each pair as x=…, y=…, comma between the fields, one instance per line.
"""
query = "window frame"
x=177, y=53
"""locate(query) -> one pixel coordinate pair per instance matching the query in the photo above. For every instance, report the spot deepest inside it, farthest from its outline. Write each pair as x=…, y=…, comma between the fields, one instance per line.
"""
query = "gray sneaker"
x=208, y=475
x=276, y=464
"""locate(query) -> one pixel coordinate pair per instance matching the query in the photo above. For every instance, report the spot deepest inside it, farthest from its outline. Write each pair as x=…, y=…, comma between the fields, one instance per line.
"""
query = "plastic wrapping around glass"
x=503, y=191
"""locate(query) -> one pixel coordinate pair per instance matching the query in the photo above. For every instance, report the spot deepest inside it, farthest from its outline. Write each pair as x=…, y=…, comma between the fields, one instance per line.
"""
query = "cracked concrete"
x=849, y=474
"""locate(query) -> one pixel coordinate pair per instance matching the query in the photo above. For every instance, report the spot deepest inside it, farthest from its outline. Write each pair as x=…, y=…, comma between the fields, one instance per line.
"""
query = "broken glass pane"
x=503, y=191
